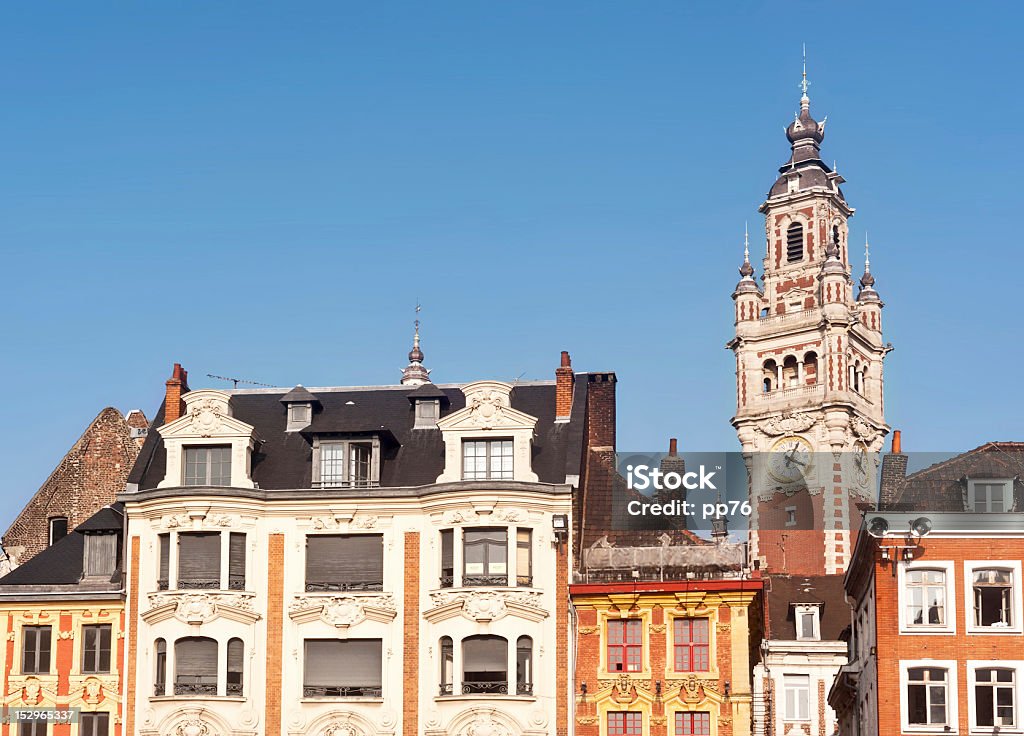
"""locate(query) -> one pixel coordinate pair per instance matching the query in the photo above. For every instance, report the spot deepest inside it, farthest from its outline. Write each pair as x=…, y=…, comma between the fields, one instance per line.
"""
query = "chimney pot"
x=177, y=386
x=897, y=442
x=673, y=446
x=566, y=362
x=564, y=380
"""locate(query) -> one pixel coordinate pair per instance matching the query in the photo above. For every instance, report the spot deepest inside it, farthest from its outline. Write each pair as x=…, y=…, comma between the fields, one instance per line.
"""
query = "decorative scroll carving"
x=33, y=690
x=192, y=727
x=586, y=630
x=511, y=515
x=487, y=605
x=343, y=611
x=199, y=608
x=787, y=423
x=455, y=517
x=484, y=724
x=624, y=684
x=342, y=727
x=487, y=407
x=206, y=417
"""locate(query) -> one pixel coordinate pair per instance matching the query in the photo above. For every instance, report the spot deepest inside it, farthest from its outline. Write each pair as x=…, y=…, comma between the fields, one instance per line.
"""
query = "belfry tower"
x=809, y=352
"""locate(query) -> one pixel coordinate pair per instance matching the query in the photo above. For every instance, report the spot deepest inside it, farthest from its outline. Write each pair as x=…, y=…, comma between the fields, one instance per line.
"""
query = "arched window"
x=195, y=666
x=790, y=372
x=235, y=666
x=485, y=664
x=160, y=676
x=795, y=243
x=769, y=375
x=58, y=528
x=524, y=666
x=811, y=368
x=856, y=376
x=835, y=235
x=447, y=665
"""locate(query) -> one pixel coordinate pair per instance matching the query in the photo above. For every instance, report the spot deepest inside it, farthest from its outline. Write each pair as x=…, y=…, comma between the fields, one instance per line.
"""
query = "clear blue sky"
x=264, y=190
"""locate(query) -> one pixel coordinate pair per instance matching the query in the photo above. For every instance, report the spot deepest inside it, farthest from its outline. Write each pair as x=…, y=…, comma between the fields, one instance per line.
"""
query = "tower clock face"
x=790, y=460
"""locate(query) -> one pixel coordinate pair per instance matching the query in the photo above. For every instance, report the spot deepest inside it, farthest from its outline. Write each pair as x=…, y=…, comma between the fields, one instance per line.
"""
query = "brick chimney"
x=177, y=386
x=601, y=411
x=564, y=381
x=894, y=474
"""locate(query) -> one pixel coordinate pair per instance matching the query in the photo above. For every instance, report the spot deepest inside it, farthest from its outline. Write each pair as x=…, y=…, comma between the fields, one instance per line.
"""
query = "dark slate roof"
x=108, y=519
x=283, y=460
x=941, y=487
x=63, y=563
x=785, y=590
x=299, y=395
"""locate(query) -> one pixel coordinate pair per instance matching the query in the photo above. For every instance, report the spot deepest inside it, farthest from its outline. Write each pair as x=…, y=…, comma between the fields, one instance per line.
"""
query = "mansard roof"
x=941, y=487
x=59, y=567
x=826, y=591
x=283, y=460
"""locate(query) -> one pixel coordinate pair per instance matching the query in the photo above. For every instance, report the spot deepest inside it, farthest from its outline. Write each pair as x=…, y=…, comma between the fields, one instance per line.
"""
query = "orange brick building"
x=938, y=621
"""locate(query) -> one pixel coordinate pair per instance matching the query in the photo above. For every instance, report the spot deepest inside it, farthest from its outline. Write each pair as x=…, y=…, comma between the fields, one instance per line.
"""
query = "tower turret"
x=870, y=303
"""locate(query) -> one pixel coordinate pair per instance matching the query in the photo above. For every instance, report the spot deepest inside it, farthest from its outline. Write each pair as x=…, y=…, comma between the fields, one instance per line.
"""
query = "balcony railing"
x=198, y=583
x=236, y=584
x=794, y=392
x=524, y=581
x=358, y=483
x=478, y=580
x=342, y=691
x=612, y=564
x=805, y=316
x=195, y=685
x=446, y=688
x=321, y=586
x=524, y=688
x=493, y=687
x=447, y=581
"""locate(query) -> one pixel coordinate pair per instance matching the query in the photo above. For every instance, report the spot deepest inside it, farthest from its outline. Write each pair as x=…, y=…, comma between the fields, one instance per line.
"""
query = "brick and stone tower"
x=809, y=353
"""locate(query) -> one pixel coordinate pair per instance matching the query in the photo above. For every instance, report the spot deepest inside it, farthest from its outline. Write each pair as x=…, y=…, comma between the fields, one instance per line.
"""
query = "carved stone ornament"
x=92, y=692
x=206, y=417
x=511, y=515
x=344, y=727
x=658, y=720
x=693, y=689
x=586, y=630
x=484, y=724
x=487, y=605
x=624, y=684
x=657, y=628
x=365, y=522
x=586, y=720
x=787, y=423
x=487, y=408
x=192, y=727
x=343, y=610
x=188, y=519
x=199, y=608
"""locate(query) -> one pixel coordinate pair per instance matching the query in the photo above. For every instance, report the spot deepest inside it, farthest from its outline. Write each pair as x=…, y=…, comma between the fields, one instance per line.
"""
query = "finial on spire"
x=746, y=270
x=867, y=281
x=415, y=374
x=805, y=101
x=867, y=253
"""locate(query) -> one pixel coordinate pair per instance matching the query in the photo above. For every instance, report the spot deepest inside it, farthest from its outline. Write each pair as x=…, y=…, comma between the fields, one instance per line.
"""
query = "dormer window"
x=299, y=416
x=299, y=404
x=986, y=495
x=427, y=413
x=207, y=466
x=351, y=463
x=100, y=555
x=808, y=623
x=487, y=459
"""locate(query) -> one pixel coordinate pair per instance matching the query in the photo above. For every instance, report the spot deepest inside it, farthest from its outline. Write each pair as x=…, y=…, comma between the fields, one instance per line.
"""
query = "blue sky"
x=264, y=190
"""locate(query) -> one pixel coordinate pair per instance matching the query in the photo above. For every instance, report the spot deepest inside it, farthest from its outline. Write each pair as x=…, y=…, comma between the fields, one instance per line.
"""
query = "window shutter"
x=195, y=659
x=165, y=560
x=344, y=562
x=350, y=663
x=100, y=554
x=199, y=559
x=236, y=562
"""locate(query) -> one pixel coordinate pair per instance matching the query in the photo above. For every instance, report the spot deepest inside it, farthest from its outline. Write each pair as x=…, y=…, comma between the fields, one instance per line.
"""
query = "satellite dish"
x=921, y=526
x=878, y=527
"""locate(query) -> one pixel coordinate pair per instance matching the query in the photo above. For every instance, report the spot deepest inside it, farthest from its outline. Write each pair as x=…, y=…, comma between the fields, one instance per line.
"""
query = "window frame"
x=952, y=697
x=972, y=499
x=691, y=646
x=806, y=678
x=96, y=719
x=489, y=443
x=37, y=670
x=490, y=688
x=338, y=585
x=524, y=554
x=624, y=646
x=626, y=727
x=973, y=665
x=1016, y=603
x=803, y=242
x=949, y=627
x=96, y=666
x=485, y=578
x=680, y=716
x=199, y=583
x=50, y=531
x=207, y=450
x=346, y=443
x=799, y=611
x=32, y=728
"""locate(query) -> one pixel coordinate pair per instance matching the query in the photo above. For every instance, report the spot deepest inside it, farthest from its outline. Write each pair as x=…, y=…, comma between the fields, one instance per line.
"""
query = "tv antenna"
x=237, y=381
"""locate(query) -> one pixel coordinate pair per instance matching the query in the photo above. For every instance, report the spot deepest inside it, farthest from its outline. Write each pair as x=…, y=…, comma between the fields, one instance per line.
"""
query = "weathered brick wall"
x=88, y=478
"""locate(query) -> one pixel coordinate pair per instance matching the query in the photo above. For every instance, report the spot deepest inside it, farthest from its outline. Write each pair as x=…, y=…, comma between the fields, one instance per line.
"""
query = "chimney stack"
x=177, y=386
x=564, y=380
x=894, y=474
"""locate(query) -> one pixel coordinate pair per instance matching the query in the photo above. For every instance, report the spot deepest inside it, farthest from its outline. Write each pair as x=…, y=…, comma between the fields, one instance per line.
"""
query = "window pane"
x=524, y=561
x=236, y=561
x=359, y=465
x=447, y=558
x=220, y=466
x=343, y=668
x=332, y=464
x=484, y=664
x=344, y=562
x=96, y=648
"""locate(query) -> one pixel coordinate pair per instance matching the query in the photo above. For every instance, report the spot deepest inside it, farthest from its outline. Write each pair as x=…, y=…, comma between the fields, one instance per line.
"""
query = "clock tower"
x=809, y=352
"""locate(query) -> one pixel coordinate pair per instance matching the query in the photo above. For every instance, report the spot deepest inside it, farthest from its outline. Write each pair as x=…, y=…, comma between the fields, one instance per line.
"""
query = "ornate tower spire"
x=747, y=283
x=867, y=281
x=415, y=374
x=805, y=101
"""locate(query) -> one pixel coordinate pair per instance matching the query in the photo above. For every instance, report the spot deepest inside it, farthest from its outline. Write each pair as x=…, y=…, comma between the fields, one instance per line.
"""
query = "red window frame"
x=625, y=645
x=626, y=723
x=692, y=644
x=697, y=723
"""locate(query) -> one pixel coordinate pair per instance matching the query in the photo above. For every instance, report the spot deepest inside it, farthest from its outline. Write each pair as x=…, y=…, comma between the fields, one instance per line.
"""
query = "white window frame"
x=952, y=697
x=1017, y=665
x=947, y=567
x=785, y=697
x=815, y=611
x=1007, y=484
x=1016, y=603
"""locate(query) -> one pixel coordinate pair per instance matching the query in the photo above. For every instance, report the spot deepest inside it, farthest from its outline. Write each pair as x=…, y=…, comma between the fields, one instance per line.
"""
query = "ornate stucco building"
x=357, y=561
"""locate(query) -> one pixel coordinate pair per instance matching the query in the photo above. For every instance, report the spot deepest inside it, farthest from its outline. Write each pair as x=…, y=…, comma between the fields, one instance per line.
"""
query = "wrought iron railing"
x=321, y=586
x=494, y=687
x=524, y=688
x=480, y=580
x=236, y=584
x=446, y=688
x=524, y=581
x=234, y=688
x=198, y=583
x=198, y=685
x=159, y=689
x=447, y=581
x=342, y=691
x=162, y=584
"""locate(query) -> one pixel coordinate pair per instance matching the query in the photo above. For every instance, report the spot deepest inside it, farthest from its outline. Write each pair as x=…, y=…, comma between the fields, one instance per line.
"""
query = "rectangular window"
x=993, y=598
x=100, y=554
x=346, y=464
x=35, y=650
x=487, y=460
x=625, y=645
x=524, y=558
x=806, y=625
x=693, y=724
x=164, y=566
x=926, y=597
x=236, y=561
x=485, y=557
x=349, y=668
x=927, y=701
x=692, y=644
x=990, y=496
x=344, y=562
x=797, y=695
x=199, y=560
x=207, y=466
x=627, y=723
x=995, y=697
x=58, y=528
x=447, y=558
x=32, y=728
x=94, y=724
x=96, y=648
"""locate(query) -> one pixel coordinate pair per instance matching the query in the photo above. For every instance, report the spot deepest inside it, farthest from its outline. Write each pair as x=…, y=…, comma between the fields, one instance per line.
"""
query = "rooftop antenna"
x=237, y=381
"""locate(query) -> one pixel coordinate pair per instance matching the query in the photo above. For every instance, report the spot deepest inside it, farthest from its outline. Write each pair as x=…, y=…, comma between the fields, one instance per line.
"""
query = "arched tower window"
x=769, y=376
x=790, y=372
x=811, y=368
x=160, y=676
x=447, y=665
x=835, y=235
x=795, y=243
